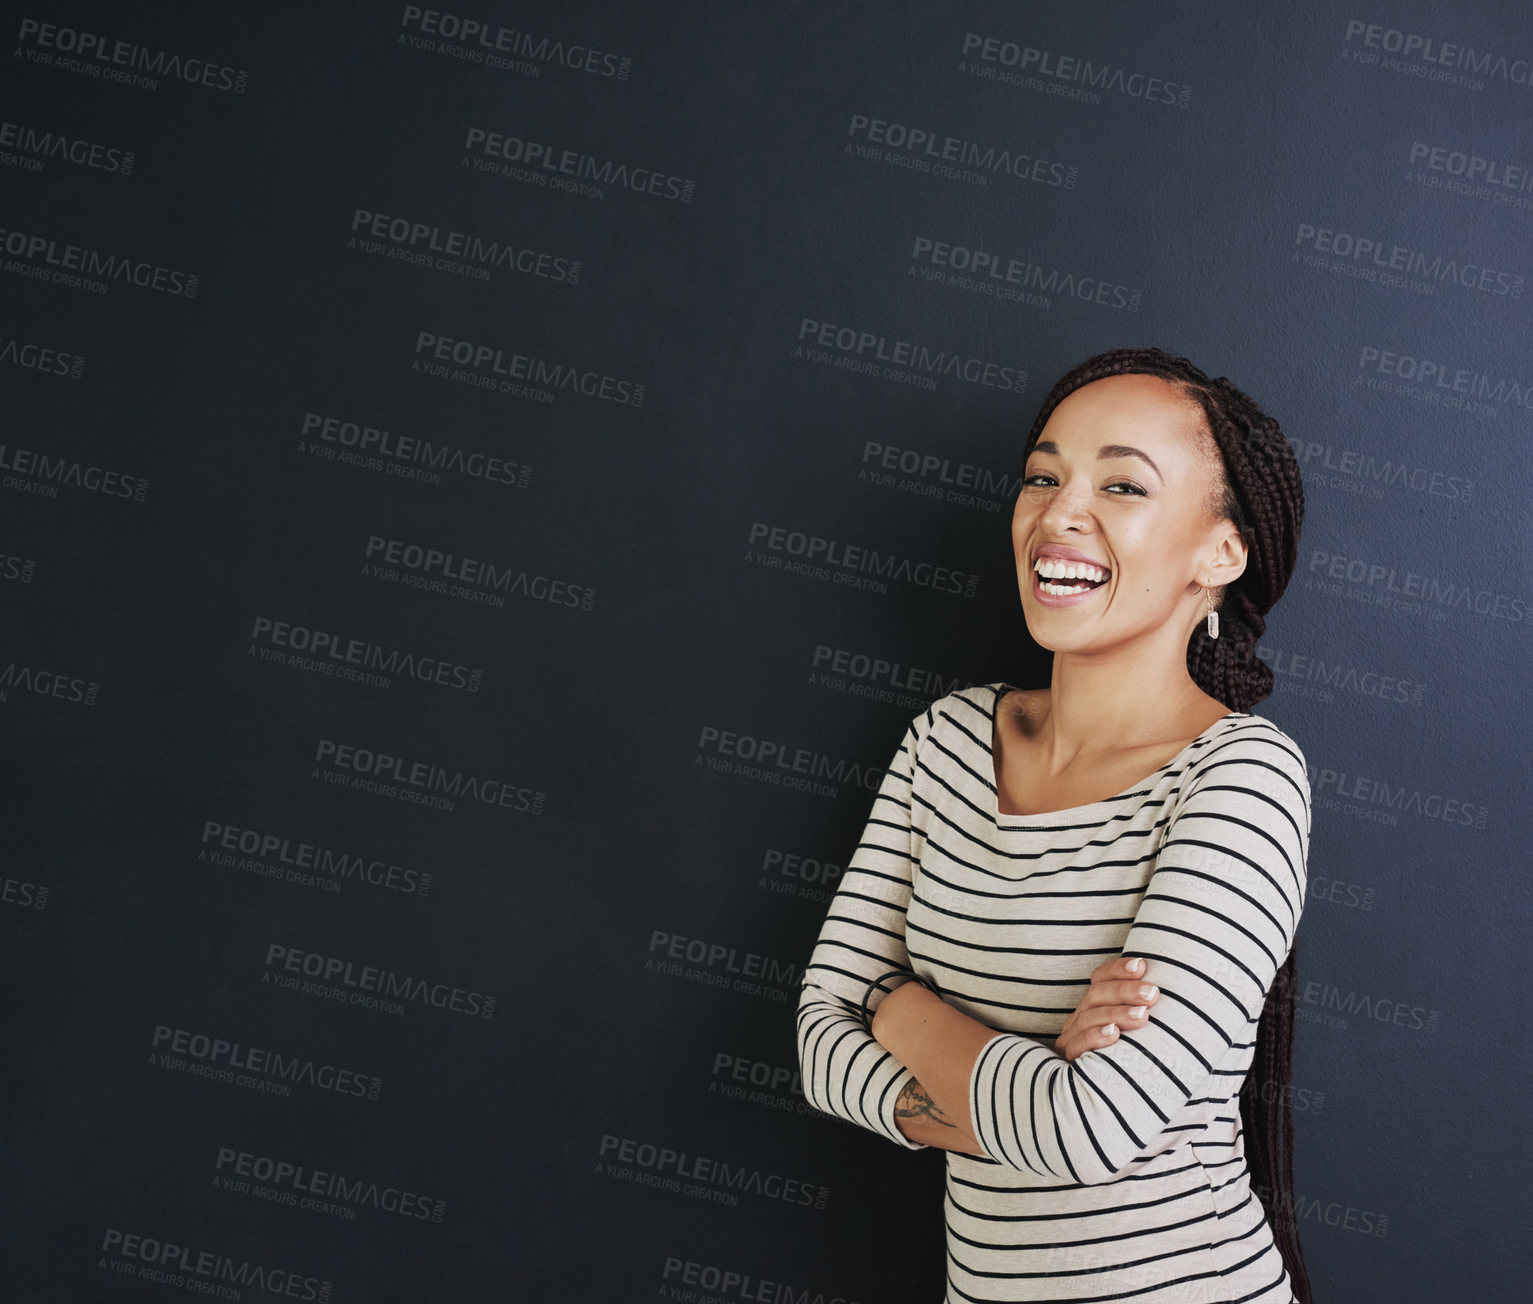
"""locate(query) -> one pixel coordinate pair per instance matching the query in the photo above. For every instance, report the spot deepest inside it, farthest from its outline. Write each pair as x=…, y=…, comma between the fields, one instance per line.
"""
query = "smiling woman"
x=1096, y=886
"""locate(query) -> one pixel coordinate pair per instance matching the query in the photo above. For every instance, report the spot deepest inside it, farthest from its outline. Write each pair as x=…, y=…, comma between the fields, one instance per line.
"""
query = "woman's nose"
x=1067, y=507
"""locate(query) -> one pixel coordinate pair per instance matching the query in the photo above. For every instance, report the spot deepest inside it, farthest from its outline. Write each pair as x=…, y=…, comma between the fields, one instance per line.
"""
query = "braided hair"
x=1258, y=489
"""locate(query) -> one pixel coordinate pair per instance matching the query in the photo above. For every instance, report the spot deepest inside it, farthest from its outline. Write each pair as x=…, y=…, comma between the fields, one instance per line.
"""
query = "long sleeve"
x=1216, y=921
x=844, y=1071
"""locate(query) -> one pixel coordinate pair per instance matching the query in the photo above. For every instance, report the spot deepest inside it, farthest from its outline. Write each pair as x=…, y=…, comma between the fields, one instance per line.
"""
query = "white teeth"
x=1059, y=570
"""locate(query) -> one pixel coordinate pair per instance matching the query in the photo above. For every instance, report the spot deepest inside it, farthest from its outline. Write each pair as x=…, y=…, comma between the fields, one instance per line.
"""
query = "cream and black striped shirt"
x=1120, y=1176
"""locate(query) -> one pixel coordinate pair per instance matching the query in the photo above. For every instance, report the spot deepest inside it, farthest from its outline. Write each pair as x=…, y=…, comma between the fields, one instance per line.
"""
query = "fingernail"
x=1109, y=1029
x=1137, y=1012
x=1135, y=965
x=1147, y=992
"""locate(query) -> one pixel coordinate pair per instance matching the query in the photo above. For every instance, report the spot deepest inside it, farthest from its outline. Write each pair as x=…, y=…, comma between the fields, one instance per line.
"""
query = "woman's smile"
x=1064, y=573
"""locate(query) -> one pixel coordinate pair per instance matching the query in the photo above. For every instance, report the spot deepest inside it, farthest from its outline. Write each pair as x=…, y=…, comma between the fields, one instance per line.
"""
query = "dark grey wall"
x=481, y=504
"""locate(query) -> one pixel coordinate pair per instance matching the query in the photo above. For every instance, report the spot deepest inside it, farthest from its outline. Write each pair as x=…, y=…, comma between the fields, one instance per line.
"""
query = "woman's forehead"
x=1120, y=409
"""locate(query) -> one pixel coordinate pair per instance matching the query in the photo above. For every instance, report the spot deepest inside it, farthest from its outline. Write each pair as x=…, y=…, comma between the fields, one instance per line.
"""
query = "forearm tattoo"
x=913, y=1102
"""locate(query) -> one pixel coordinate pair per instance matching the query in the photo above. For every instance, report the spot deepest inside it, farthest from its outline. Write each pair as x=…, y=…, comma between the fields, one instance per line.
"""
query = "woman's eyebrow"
x=1106, y=451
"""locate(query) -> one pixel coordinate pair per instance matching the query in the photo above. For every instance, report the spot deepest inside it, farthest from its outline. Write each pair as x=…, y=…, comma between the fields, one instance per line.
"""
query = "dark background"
x=1330, y=204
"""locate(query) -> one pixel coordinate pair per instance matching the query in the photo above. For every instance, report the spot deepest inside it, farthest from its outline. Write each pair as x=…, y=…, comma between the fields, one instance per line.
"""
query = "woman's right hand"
x=1117, y=999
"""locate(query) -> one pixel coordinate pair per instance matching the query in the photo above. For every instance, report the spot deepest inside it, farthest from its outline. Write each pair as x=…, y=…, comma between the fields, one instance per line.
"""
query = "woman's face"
x=1121, y=479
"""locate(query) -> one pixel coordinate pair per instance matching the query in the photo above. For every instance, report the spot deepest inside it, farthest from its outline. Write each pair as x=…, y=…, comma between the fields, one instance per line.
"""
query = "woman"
x=1130, y=826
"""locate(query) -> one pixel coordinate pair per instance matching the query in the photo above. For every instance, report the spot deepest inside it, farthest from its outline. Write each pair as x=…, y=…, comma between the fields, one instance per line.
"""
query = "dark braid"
x=1261, y=492
x=1266, y=1118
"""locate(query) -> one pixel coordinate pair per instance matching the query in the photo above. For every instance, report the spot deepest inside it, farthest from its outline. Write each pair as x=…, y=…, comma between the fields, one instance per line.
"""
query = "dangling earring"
x=1213, y=613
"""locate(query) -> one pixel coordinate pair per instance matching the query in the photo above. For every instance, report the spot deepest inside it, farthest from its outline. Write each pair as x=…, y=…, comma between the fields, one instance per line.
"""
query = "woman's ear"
x=1227, y=563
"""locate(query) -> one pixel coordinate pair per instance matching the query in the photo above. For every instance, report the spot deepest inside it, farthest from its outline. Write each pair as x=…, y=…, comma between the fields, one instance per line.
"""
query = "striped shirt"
x=1122, y=1175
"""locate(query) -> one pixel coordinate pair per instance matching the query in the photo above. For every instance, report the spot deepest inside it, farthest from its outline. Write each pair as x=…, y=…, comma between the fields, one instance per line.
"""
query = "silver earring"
x=1213, y=614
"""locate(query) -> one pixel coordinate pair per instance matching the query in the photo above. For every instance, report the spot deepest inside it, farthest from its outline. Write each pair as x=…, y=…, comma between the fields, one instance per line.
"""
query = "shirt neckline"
x=1027, y=821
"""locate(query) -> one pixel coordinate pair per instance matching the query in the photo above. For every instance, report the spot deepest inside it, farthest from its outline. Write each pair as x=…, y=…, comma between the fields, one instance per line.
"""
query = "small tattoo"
x=915, y=1103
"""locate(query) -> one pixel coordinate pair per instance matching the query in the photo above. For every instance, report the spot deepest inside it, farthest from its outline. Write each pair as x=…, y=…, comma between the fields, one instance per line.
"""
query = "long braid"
x=1262, y=493
x=1266, y=1112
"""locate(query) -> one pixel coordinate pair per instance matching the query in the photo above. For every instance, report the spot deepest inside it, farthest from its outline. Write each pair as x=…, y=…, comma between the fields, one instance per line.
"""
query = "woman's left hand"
x=1117, y=1001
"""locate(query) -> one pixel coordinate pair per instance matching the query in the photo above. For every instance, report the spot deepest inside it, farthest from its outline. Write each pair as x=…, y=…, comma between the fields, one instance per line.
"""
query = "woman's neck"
x=1102, y=704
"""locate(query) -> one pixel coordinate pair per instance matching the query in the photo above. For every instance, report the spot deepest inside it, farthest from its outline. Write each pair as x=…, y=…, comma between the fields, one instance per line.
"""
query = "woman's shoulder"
x=968, y=711
x=1254, y=740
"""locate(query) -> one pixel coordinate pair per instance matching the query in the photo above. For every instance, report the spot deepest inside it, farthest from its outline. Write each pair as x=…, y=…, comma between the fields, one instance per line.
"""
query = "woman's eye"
x=1040, y=480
